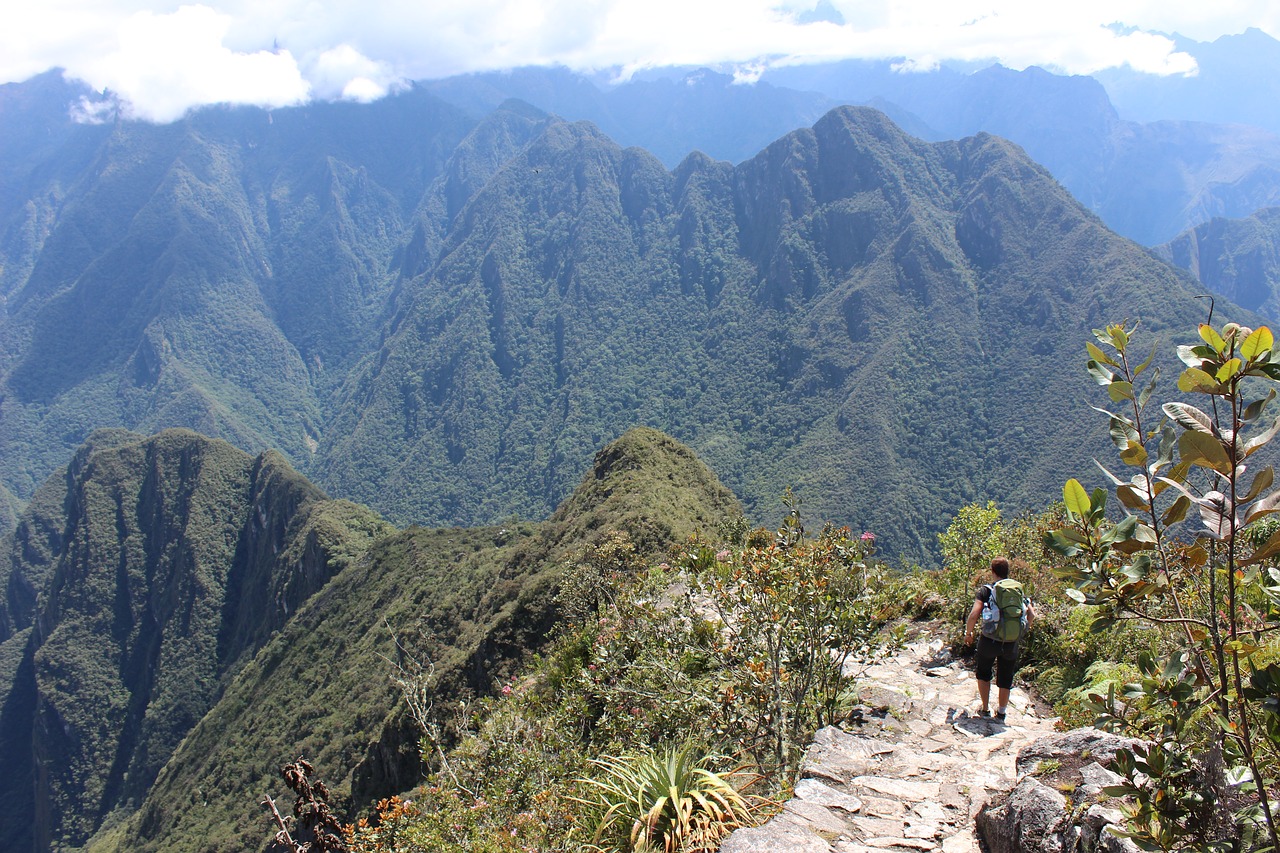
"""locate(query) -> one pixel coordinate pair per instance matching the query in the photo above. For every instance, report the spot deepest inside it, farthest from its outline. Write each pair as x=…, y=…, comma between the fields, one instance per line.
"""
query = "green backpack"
x=1004, y=616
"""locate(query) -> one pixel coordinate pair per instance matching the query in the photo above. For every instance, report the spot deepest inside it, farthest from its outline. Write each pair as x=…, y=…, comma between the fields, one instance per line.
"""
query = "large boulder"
x=1057, y=807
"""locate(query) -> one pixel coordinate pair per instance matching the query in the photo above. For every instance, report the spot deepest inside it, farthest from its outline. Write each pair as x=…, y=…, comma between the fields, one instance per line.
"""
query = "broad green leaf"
x=1075, y=595
x=1229, y=369
x=1176, y=512
x=1119, y=337
x=1145, y=394
x=1098, y=503
x=1135, y=454
x=1192, y=356
x=1215, y=520
x=1256, y=443
x=1205, y=451
x=1075, y=498
x=1096, y=353
x=1168, y=441
x=1211, y=337
x=1195, y=379
x=1120, y=390
x=1188, y=417
x=1122, y=432
x=1100, y=374
x=1261, y=482
x=1259, y=341
x=1253, y=411
x=1131, y=498
x=1141, y=367
x=1266, y=506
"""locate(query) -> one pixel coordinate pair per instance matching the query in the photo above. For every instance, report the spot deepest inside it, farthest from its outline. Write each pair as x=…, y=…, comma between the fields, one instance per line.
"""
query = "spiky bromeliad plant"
x=666, y=801
x=1216, y=594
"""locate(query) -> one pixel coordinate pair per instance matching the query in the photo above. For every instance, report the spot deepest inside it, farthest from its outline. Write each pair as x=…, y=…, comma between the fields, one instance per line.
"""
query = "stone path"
x=909, y=772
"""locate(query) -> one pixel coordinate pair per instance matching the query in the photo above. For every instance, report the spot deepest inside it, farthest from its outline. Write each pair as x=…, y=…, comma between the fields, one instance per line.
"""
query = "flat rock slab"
x=813, y=791
x=915, y=768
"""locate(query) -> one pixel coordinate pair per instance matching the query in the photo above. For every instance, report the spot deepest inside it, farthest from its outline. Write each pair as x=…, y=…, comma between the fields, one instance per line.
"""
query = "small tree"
x=794, y=612
x=1216, y=595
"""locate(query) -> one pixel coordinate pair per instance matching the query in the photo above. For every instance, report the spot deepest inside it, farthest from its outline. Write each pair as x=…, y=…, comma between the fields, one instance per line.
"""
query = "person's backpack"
x=1004, y=616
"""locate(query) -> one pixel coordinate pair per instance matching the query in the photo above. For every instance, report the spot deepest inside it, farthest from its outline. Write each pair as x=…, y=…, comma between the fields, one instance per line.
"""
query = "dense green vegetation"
x=150, y=570
x=458, y=608
x=444, y=318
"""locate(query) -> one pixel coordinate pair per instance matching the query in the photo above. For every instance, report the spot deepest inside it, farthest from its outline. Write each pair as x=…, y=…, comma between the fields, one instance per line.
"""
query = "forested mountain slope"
x=166, y=564
x=878, y=321
x=444, y=318
x=212, y=614
x=1238, y=258
x=1147, y=181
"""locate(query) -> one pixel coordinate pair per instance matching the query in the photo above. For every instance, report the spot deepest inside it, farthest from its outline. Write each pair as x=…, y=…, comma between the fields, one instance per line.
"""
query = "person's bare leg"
x=984, y=693
x=1004, y=700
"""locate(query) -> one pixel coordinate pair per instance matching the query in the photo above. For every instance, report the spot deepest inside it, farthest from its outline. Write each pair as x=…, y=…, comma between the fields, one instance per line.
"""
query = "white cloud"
x=162, y=57
x=344, y=72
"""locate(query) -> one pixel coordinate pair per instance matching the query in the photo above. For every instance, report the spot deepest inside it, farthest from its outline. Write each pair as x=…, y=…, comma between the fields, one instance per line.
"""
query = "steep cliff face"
x=1237, y=258
x=468, y=604
x=142, y=612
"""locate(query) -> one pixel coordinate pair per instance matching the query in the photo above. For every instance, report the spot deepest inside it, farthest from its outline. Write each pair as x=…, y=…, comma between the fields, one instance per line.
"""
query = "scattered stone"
x=899, y=788
x=813, y=791
x=1031, y=820
x=819, y=818
x=900, y=844
x=939, y=672
x=961, y=842
x=871, y=827
x=774, y=837
x=880, y=807
x=921, y=830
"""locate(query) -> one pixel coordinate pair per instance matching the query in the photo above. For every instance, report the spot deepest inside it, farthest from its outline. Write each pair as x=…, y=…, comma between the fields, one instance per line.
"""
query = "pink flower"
x=723, y=556
x=868, y=536
x=506, y=690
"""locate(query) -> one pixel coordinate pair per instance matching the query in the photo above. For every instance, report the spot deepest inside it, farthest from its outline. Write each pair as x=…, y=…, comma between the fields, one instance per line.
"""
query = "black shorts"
x=1003, y=655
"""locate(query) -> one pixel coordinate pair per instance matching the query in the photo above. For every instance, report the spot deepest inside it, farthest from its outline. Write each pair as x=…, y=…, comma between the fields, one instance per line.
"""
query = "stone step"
x=909, y=773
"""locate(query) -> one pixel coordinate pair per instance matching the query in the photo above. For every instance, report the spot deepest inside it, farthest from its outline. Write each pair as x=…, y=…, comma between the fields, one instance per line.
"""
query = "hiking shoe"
x=984, y=713
x=1000, y=716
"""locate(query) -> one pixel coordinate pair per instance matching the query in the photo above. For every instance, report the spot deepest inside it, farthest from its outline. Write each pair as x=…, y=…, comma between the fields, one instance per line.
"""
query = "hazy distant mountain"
x=669, y=115
x=1148, y=182
x=1237, y=82
x=1237, y=258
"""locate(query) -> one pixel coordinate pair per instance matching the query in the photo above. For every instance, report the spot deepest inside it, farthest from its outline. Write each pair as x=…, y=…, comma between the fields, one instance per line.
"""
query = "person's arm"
x=971, y=625
x=1031, y=615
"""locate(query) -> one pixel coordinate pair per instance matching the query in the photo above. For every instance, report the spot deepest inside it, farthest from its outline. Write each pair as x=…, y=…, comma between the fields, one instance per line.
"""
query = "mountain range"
x=286, y=396
x=1148, y=178
x=442, y=318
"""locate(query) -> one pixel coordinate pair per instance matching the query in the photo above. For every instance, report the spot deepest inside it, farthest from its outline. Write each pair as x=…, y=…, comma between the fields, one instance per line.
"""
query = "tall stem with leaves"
x=1130, y=569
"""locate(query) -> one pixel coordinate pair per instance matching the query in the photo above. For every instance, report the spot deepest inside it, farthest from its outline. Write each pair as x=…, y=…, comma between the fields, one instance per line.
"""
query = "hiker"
x=1004, y=620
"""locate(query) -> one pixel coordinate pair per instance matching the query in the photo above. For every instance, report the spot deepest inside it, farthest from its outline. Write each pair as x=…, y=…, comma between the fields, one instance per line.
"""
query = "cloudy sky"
x=163, y=58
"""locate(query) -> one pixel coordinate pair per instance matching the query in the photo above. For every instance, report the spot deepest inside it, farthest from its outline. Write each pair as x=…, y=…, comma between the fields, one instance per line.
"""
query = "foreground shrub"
x=666, y=801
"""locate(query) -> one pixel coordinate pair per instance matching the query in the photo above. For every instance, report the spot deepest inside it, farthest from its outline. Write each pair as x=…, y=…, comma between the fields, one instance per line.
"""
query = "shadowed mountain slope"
x=221, y=273
x=472, y=603
x=167, y=563
x=1237, y=258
